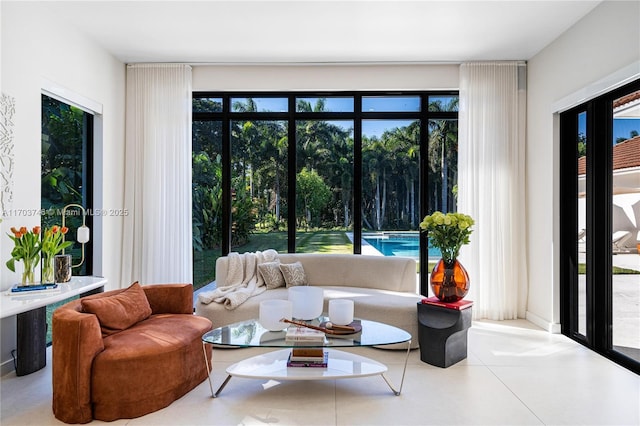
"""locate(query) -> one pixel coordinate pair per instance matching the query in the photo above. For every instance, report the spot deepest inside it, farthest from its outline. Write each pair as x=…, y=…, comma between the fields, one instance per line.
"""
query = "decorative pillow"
x=271, y=274
x=120, y=311
x=293, y=274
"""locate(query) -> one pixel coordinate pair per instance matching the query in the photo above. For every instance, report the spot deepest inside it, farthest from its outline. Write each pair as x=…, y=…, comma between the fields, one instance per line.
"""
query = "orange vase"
x=449, y=282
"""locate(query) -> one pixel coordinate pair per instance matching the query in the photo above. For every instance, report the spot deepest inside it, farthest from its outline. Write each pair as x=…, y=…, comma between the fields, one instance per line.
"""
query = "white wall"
x=35, y=47
x=601, y=44
x=325, y=77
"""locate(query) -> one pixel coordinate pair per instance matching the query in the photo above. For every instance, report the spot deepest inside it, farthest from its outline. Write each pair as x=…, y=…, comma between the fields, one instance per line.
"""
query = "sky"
x=345, y=104
x=622, y=127
x=370, y=128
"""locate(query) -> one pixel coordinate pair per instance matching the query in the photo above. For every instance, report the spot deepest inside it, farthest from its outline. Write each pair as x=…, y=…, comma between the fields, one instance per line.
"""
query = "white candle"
x=341, y=311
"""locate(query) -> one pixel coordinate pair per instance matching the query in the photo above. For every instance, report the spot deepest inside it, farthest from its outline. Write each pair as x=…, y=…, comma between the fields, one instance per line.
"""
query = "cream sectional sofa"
x=383, y=289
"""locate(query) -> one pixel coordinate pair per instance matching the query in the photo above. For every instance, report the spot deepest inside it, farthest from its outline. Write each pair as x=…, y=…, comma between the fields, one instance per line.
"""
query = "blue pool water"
x=406, y=244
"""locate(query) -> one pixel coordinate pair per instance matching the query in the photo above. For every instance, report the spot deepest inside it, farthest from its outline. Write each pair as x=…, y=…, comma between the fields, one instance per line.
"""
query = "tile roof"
x=625, y=155
x=626, y=99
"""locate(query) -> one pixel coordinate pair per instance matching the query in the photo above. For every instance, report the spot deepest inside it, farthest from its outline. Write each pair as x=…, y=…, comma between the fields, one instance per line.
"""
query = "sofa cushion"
x=271, y=274
x=293, y=274
x=120, y=311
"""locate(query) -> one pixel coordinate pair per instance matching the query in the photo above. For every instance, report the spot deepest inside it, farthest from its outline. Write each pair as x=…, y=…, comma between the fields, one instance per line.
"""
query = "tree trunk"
x=444, y=178
x=277, y=193
x=412, y=201
x=377, y=201
x=384, y=200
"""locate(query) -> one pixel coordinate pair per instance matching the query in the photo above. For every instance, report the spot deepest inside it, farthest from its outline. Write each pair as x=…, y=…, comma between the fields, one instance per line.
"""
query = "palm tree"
x=443, y=152
x=272, y=166
x=406, y=152
x=327, y=148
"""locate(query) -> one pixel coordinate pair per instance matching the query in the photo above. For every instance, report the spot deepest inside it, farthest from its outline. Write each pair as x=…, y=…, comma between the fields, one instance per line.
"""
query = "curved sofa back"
x=350, y=270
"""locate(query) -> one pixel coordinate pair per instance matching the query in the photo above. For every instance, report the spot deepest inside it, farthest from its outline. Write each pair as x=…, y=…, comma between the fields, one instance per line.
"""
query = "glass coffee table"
x=273, y=365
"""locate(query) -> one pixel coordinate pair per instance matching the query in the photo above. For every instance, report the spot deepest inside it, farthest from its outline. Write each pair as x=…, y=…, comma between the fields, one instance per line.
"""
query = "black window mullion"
x=424, y=208
x=88, y=170
x=599, y=254
x=226, y=177
x=357, y=176
x=568, y=242
x=291, y=173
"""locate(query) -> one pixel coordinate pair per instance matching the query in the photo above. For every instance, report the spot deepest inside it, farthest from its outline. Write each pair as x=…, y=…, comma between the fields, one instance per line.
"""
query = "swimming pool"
x=406, y=244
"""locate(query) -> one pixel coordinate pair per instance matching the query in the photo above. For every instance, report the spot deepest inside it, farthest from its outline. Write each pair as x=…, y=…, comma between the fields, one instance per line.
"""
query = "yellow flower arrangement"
x=448, y=232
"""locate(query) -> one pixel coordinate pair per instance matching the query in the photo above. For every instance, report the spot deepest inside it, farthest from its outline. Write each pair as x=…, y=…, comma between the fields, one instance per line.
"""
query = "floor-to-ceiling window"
x=600, y=219
x=66, y=177
x=207, y=188
x=391, y=178
x=319, y=172
x=66, y=172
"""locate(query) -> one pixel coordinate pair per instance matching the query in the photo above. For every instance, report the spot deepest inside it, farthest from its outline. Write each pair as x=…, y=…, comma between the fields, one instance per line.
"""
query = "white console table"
x=31, y=318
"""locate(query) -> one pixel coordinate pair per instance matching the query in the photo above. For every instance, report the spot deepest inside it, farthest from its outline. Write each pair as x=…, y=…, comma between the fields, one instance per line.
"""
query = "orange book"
x=307, y=352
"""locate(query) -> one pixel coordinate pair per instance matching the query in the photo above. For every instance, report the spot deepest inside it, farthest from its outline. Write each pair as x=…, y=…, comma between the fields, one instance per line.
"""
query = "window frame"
x=87, y=190
x=226, y=116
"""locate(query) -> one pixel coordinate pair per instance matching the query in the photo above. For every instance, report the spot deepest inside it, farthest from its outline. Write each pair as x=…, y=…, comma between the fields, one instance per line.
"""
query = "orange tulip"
x=64, y=230
x=23, y=230
x=14, y=230
x=36, y=230
x=54, y=229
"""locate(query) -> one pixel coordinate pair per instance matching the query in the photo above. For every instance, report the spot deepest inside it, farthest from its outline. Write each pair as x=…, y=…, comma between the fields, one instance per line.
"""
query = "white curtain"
x=156, y=245
x=491, y=186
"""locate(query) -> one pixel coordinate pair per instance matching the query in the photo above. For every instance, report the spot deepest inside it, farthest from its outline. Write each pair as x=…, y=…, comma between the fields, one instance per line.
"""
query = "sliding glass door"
x=625, y=225
x=600, y=224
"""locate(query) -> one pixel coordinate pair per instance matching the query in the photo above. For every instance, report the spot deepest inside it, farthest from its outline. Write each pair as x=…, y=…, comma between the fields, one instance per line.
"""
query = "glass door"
x=600, y=224
x=625, y=223
x=581, y=239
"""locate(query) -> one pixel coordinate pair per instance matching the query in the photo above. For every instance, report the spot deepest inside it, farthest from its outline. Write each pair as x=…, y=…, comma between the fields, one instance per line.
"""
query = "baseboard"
x=6, y=367
x=544, y=324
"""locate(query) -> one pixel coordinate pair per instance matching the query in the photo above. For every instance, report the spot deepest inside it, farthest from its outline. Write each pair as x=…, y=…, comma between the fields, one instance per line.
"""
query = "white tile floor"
x=515, y=374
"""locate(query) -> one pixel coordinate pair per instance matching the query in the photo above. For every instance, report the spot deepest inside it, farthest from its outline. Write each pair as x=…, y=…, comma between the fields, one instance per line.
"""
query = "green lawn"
x=306, y=242
x=582, y=269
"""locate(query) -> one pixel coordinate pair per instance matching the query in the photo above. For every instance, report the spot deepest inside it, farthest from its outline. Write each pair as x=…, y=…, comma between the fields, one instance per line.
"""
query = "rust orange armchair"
x=126, y=353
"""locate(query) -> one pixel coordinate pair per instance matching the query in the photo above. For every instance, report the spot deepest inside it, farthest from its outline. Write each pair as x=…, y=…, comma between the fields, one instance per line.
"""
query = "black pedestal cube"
x=442, y=333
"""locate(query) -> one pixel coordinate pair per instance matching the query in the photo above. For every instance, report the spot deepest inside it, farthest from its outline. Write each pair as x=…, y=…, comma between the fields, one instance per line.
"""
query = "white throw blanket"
x=243, y=279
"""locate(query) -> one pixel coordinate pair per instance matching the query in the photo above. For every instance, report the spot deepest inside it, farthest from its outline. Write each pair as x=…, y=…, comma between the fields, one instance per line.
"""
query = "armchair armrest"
x=170, y=298
x=77, y=339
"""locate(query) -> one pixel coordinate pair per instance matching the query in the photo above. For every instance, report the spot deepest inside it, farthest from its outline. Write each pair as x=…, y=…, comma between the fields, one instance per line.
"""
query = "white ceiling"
x=320, y=31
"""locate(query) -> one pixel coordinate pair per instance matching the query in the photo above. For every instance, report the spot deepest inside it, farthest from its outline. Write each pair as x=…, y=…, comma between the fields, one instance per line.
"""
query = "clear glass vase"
x=47, y=269
x=28, y=277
